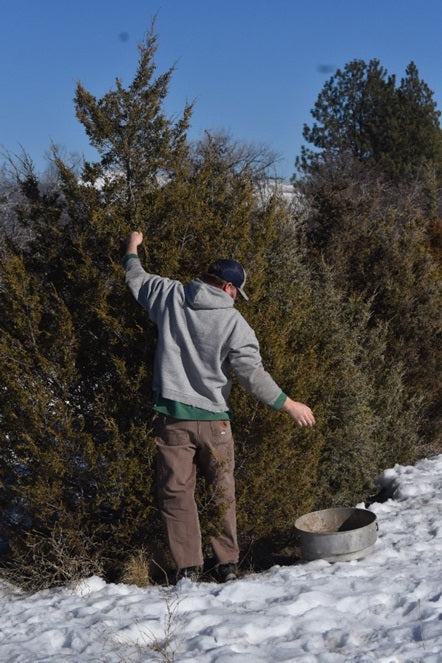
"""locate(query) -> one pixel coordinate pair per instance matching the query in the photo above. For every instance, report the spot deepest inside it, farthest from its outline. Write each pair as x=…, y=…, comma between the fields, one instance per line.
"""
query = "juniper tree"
x=74, y=260
x=373, y=185
x=138, y=144
x=376, y=237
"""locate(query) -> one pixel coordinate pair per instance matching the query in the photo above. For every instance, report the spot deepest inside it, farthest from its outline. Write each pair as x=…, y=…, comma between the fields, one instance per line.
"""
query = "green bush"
x=378, y=239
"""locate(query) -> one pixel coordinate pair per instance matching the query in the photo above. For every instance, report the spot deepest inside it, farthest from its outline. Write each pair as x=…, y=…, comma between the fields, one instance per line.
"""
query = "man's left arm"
x=247, y=363
x=134, y=241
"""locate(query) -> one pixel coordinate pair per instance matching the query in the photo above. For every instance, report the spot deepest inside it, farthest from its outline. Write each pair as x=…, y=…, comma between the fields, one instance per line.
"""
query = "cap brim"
x=243, y=294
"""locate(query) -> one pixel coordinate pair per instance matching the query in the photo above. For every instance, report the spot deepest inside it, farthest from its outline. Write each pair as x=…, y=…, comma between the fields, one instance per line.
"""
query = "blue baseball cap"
x=230, y=271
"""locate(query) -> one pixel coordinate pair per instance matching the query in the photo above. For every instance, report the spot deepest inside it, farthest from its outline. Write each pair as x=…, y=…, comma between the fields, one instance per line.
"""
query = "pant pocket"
x=221, y=432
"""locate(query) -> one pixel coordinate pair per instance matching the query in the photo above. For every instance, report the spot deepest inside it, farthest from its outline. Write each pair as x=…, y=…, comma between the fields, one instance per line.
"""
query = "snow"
x=384, y=608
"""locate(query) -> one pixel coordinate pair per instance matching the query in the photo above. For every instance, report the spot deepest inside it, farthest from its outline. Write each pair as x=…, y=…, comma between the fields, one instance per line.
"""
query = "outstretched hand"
x=301, y=413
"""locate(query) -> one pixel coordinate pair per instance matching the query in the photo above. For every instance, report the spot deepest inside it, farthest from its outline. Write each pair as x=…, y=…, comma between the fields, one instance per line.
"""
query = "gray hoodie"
x=201, y=338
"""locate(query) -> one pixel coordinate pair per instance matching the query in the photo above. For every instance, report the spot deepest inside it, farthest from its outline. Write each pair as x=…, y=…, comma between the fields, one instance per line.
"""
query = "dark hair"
x=231, y=271
x=212, y=279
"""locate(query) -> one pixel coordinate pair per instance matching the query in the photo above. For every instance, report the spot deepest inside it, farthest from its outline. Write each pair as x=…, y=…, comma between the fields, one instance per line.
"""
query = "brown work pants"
x=183, y=447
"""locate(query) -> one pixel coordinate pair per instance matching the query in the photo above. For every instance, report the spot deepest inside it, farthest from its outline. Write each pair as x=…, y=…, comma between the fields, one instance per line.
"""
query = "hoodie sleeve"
x=148, y=289
x=245, y=360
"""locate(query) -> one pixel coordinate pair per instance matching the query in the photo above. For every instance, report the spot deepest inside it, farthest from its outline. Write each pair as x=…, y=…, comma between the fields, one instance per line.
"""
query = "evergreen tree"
x=373, y=186
x=376, y=238
x=138, y=145
x=74, y=258
x=362, y=113
x=420, y=139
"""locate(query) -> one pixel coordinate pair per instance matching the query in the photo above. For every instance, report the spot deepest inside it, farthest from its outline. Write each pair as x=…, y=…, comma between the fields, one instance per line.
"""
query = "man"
x=201, y=339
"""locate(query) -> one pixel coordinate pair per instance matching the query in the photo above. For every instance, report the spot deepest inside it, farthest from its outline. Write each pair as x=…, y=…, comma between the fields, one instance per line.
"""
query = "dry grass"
x=43, y=561
x=137, y=569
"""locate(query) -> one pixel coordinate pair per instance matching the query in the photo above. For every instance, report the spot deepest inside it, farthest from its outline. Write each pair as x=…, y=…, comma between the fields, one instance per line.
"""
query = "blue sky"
x=253, y=67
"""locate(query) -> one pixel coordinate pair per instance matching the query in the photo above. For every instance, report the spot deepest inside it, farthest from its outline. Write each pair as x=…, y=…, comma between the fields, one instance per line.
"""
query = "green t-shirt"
x=179, y=410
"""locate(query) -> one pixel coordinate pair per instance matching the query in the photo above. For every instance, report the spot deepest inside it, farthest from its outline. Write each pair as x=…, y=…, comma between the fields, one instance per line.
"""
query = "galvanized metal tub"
x=340, y=534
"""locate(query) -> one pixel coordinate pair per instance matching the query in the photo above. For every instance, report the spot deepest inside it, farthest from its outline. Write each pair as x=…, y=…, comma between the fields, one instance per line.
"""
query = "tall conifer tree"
x=362, y=113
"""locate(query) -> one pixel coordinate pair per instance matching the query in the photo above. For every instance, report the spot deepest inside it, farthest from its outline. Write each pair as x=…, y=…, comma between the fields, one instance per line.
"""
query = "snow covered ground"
x=385, y=608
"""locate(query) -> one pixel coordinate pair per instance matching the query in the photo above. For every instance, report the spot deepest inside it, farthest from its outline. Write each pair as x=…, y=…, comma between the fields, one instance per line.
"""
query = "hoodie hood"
x=200, y=295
